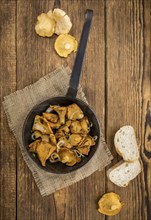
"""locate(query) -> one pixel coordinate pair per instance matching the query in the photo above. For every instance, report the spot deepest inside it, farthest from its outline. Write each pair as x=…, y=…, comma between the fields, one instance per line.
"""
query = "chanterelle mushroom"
x=75, y=127
x=69, y=157
x=65, y=44
x=74, y=139
x=40, y=125
x=74, y=112
x=85, y=125
x=110, y=204
x=63, y=23
x=44, y=150
x=61, y=112
x=45, y=26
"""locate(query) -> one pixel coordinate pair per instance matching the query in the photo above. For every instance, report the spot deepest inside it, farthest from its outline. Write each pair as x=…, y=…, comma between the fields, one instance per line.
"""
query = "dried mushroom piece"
x=37, y=134
x=40, y=125
x=65, y=128
x=74, y=139
x=68, y=157
x=44, y=137
x=51, y=117
x=53, y=139
x=110, y=204
x=84, y=122
x=33, y=146
x=54, y=125
x=74, y=112
x=45, y=26
x=65, y=142
x=63, y=23
x=75, y=127
x=44, y=150
x=84, y=150
x=88, y=141
x=61, y=112
x=65, y=44
x=59, y=134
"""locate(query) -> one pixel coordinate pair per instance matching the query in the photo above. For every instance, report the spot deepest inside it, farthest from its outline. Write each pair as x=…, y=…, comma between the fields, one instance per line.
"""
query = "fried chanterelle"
x=110, y=204
x=61, y=134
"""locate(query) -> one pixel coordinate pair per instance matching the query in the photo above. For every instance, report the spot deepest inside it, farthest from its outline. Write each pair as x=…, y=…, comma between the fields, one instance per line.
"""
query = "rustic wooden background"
x=117, y=82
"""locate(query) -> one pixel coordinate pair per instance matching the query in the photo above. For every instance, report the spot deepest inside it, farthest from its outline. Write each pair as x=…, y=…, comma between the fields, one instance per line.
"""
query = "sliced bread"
x=125, y=143
x=123, y=172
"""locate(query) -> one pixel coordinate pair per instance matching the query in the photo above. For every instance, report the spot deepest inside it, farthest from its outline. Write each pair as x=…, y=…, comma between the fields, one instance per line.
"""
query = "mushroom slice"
x=65, y=142
x=53, y=139
x=88, y=141
x=74, y=112
x=40, y=125
x=110, y=204
x=61, y=112
x=85, y=125
x=59, y=134
x=63, y=23
x=37, y=134
x=69, y=157
x=45, y=26
x=74, y=139
x=44, y=150
x=51, y=117
x=75, y=127
x=65, y=44
x=65, y=128
x=44, y=137
x=84, y=150
x=54, y=125
x=33, y=146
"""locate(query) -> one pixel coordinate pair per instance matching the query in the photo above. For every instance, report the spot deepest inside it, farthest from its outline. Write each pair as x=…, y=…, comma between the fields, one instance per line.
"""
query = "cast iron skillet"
x=64, y=101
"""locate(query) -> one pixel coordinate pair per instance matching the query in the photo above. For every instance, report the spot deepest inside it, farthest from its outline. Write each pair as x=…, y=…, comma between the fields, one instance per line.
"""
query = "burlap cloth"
x=18, y=104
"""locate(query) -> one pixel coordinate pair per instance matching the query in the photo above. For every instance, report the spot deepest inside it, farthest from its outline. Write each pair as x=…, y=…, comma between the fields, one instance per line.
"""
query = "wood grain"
x=79, y=201
x=116, y=78
x=146, y=108
x=36, y=60
x=33, y=59
x=124, y=48
x=7, y=85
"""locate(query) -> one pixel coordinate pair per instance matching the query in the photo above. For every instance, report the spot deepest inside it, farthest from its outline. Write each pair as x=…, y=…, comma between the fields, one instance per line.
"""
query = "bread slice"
x=123, y=172
x=125, y=143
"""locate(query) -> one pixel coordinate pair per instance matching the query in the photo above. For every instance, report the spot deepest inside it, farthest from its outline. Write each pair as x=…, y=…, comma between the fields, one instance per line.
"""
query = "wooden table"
x=117, y=82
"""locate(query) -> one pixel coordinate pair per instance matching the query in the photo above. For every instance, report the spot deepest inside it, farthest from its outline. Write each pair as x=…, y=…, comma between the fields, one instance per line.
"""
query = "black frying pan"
x=64, y=101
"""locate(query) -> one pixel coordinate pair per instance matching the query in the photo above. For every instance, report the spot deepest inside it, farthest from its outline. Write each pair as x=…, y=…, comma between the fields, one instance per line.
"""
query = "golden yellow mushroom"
x=68, y=157
x=110, y=204
x=44, y=150
x=74, y=112
x=51, y=117
x=65, y=44
x=61, y=112
x=45, y=26
x=63, y=23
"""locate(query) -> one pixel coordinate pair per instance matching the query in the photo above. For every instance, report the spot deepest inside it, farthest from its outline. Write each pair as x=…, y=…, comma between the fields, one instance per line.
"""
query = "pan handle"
x=76, y=72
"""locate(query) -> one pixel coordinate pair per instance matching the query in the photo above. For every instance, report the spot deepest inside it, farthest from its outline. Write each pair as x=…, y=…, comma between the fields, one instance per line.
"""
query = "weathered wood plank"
x=124, y=75
x=146, y=107
x=7, y=85
x=36, y=57
x=79, y=201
